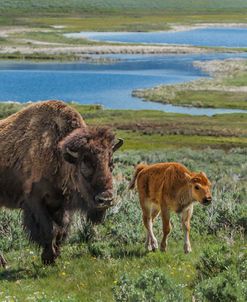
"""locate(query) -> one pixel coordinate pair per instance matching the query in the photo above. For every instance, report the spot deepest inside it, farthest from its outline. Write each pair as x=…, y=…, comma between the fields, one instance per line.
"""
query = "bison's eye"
x=197, y=187
x=87, y=167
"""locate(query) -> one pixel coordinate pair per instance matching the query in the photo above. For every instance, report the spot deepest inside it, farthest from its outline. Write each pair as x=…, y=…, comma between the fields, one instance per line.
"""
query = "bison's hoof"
x=48, y=258
x=47, y=261
x=3, y=262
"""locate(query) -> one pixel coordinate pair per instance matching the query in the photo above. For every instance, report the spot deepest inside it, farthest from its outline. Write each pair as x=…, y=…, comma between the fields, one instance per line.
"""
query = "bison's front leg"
x=41, y=229
x=3, y=262
x=62, y=219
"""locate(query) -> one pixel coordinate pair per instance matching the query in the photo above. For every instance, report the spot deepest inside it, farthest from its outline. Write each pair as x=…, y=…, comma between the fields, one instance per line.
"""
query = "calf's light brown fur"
x=166, y=187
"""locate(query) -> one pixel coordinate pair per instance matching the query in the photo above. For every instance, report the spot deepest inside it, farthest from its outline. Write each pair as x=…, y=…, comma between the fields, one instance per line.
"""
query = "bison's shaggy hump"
x=29, y=138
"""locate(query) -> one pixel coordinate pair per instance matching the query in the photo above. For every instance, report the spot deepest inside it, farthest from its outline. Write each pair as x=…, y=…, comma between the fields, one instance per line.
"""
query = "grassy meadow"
x=109, y=262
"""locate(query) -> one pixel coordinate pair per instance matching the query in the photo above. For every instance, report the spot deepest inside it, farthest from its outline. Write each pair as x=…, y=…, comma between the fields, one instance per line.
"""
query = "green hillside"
x=113, y=5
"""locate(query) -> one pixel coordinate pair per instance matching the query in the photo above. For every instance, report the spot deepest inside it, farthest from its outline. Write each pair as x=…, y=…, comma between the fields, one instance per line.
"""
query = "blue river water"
x=212, y=36
x=108, y=84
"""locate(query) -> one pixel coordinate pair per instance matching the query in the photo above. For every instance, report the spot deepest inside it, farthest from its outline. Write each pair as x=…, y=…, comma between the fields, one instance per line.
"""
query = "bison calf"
x=52, y=164
x=166, y=187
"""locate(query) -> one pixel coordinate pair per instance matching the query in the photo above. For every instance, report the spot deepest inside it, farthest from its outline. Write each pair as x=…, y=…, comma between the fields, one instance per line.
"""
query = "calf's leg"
x=166, y=228
x=151, y=242
x=186, y=216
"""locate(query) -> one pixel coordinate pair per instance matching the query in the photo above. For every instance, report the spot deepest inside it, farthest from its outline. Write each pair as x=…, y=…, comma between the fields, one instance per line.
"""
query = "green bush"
x=226, y=287
x=150, y=286
x=12, y=235
x=221, y=275
x=214, y=260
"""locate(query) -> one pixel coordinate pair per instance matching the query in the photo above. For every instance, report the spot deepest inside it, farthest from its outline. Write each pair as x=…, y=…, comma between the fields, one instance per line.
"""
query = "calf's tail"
x=137, y=171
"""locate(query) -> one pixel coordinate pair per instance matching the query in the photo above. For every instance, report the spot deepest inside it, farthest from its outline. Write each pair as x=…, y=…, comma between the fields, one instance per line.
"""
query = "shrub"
x=222, y=275
x=151, y=286
x=213, y=261
x=226, y=287
x=12, y=235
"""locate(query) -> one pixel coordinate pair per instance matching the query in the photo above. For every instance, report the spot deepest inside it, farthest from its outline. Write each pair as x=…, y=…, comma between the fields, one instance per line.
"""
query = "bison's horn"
x=72, y=153
x=118, y=144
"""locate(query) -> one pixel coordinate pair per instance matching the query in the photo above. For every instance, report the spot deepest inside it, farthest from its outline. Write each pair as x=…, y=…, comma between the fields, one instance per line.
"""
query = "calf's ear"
x=203, y=174
x=187, y=176
x=191, y=178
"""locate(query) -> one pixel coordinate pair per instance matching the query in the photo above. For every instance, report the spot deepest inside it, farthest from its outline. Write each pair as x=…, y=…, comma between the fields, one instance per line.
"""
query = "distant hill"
x=111, y=6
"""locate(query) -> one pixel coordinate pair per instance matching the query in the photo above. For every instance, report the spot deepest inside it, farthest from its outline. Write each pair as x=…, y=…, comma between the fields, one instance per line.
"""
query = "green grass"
x=114, y=15
x=83, y=277
x=121, y=21
x=157, y=130
x=137, y=141
x=197, y=98
x=237, y=80
x=64, y=6
x=38, y=56
x=212, y=99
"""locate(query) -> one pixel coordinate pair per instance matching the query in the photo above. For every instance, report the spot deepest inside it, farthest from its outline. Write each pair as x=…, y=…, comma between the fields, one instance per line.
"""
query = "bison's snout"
x=104, y=200
x=206, y=201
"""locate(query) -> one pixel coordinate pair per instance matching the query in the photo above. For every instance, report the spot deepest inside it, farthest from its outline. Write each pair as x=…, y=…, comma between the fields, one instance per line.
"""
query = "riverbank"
x=51, y=43
x=226, y=89
x=82, y=53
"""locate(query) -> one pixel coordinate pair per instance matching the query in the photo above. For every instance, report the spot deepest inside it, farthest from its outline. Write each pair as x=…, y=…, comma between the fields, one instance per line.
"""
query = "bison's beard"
x=96, y=216
x=92, y=213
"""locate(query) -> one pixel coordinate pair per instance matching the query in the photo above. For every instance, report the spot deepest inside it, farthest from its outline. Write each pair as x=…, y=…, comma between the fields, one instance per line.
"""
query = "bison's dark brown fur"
x=51, y=164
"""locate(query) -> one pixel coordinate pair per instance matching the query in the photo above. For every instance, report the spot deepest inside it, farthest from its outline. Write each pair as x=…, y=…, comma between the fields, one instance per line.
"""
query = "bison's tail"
x=137, y=171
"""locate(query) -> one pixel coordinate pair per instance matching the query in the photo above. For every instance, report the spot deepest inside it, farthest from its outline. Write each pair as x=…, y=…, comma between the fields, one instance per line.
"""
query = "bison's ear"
x=117, y=144
x=70, y=156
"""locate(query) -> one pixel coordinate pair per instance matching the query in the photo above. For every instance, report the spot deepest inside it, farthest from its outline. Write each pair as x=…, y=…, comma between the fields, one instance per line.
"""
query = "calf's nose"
x=207, y=200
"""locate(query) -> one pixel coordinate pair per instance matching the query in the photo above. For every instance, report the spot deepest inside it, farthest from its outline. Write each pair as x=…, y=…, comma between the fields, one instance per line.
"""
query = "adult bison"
x=51, y=164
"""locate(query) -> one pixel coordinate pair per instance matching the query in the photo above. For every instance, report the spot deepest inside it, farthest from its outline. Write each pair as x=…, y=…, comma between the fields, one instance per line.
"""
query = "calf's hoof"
x=152, y=246
x=163, y=248
x=3, y=262
x=187, y=249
